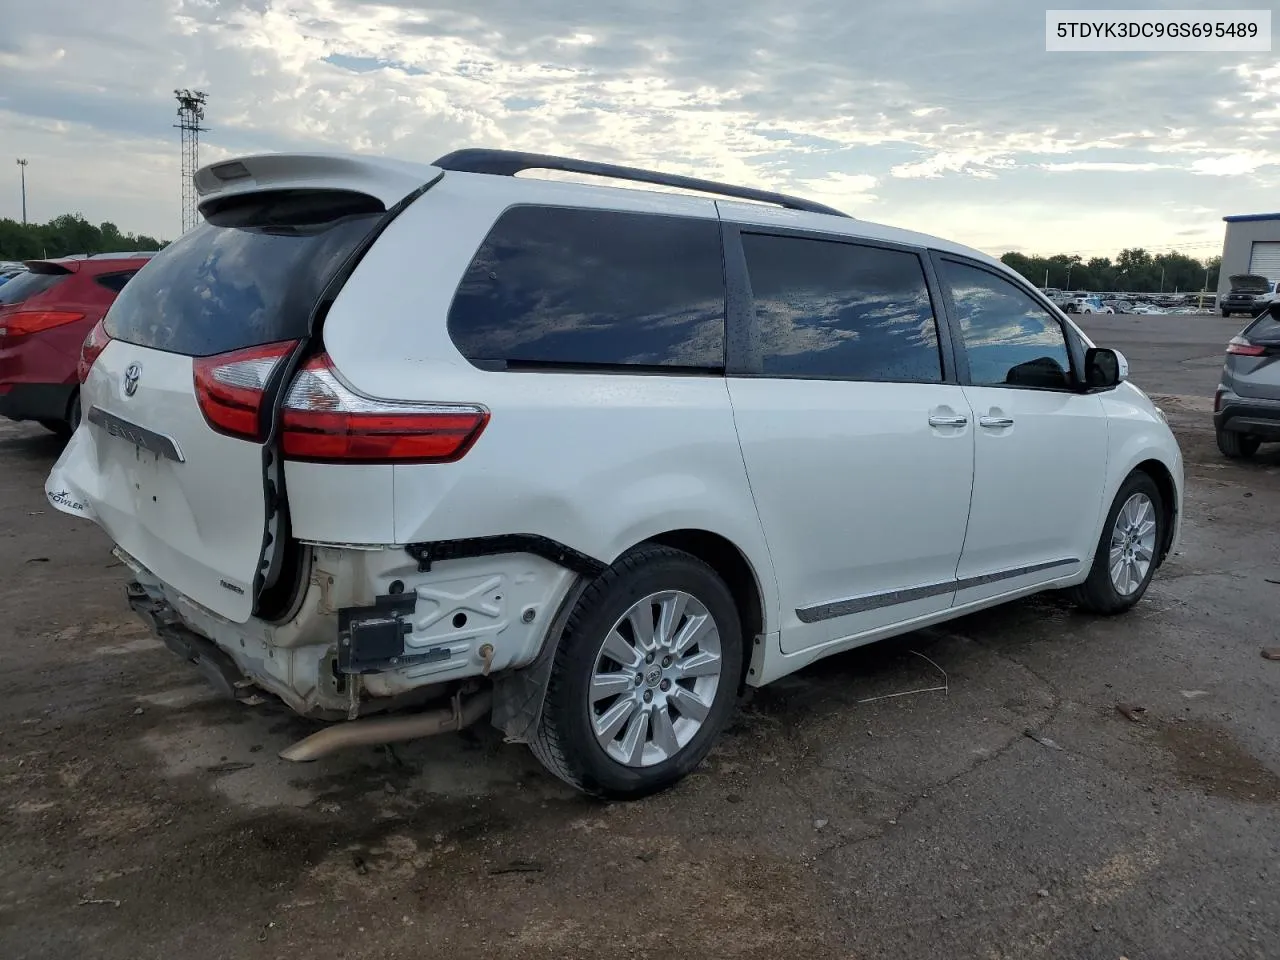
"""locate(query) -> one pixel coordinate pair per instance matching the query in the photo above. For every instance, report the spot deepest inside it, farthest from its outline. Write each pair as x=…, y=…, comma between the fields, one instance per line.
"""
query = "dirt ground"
x=1015, y=814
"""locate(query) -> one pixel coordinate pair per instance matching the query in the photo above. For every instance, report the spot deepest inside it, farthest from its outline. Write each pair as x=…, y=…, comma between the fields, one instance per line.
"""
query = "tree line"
x=1135, y=270
x=67, y=234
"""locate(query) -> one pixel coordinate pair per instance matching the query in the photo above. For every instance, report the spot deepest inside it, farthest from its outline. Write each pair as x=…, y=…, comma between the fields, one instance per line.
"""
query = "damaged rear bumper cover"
x=379, y=628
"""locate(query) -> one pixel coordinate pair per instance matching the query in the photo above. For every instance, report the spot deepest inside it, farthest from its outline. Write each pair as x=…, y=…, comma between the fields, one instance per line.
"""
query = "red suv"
x=45, y=315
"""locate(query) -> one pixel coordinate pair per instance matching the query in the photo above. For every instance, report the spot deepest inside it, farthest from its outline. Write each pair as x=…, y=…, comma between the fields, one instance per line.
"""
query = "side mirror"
x=1104, y=368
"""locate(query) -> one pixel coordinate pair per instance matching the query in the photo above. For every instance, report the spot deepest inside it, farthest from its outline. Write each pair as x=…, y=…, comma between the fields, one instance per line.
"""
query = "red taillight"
x=91, y=349
x=230, y=388
x=25, y=322
x=324, y=421
x=1243, y=348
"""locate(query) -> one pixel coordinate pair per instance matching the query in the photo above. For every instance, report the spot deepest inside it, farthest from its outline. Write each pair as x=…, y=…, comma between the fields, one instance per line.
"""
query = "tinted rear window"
x=562, y=287
x=223, y=288
x=27, y=285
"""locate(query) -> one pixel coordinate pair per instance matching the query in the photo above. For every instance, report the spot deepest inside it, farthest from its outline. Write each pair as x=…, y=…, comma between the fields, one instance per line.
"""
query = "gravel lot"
x=1017, y=815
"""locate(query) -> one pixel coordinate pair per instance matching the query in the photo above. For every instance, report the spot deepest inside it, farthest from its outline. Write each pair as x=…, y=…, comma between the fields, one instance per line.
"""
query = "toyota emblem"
x=131, y=375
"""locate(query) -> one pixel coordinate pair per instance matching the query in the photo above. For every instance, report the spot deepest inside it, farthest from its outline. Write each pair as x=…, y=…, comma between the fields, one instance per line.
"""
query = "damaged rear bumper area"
x=375, y=630
x=216, y=667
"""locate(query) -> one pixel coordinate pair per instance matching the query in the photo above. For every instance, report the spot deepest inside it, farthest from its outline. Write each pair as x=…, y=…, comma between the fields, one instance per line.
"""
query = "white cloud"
x=979, y=165
x=1104, y=166
x=1234, y=164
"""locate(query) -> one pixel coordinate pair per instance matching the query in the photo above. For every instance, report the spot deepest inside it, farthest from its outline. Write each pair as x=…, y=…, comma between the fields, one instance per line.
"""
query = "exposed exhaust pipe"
x=376, y=730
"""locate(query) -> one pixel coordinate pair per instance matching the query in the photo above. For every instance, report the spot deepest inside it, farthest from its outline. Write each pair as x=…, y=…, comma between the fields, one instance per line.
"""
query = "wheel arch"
x=733, y=566
x=519, y=694
x=1163, y=477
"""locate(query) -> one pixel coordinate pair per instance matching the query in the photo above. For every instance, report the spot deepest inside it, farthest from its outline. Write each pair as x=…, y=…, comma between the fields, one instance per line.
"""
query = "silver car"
x=1246, y=407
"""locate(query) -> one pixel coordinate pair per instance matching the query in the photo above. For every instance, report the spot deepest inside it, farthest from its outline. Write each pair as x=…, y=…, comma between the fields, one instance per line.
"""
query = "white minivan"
x=405, y=446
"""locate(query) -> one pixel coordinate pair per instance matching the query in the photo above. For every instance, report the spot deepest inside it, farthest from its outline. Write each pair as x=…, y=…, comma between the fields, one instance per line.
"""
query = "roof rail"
x=508, y=163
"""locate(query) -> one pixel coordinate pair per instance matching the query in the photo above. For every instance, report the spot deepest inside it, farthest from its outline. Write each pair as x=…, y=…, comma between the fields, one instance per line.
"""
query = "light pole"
x=1070, y=264
x=22, y=167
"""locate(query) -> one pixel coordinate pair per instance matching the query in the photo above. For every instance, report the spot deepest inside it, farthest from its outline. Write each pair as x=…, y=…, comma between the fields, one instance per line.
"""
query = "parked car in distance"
x=1147, y=309
x=1250, y=294
x=586, y=459
x=1118, y=306
x=1246, y=406
x=45, y=313
x=9, y=273
x=1087, y=305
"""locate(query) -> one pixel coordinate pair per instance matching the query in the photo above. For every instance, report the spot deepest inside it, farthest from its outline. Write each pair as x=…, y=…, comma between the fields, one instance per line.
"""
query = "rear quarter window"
x=559, y=288
x=114, y=281
x=1266, y=329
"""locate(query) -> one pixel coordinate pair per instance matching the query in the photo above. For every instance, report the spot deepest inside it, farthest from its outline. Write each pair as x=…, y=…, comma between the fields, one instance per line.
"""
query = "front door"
x=1040, y=445
x=858, y=450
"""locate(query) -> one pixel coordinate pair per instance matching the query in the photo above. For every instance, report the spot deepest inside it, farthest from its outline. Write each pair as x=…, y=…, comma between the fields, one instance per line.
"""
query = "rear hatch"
x=174, y=458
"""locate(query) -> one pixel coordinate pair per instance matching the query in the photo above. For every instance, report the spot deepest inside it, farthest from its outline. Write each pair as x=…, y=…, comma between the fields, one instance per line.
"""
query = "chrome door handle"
x=995, y=421
x=948, y=421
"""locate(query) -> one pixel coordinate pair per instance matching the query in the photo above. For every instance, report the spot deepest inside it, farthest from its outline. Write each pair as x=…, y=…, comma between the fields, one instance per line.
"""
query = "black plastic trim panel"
x=567, y=557
x=843, y=608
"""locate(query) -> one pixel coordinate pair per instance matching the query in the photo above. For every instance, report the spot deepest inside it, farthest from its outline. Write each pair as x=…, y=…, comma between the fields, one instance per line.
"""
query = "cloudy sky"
x=946, y=116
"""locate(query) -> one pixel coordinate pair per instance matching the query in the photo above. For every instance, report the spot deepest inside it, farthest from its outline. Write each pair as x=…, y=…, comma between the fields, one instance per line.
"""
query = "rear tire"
x=1125, y=545
x=1226, y=313
x=612, y=736
x=66, y=427
x=73, y=413
x=1237, y=446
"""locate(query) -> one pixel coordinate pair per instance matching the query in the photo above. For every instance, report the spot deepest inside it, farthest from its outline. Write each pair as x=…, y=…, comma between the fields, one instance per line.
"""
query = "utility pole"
x=22, y=167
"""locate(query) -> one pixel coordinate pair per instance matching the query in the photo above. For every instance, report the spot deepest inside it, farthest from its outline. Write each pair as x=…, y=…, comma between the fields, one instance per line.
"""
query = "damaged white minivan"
x=409, y=445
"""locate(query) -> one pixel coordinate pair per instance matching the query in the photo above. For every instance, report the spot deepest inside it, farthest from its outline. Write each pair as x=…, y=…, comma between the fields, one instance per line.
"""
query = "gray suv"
x=1246, y=407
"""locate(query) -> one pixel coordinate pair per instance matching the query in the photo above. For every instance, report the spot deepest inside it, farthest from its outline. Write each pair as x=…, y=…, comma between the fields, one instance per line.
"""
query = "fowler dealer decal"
x=63, y=498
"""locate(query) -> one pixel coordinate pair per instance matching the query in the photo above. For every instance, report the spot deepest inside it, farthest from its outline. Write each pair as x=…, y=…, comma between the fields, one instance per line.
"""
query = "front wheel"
x=1125, y=559
x=645, y=676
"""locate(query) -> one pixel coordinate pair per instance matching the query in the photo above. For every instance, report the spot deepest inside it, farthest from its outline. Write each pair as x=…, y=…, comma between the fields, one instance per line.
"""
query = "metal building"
x=1252, y=245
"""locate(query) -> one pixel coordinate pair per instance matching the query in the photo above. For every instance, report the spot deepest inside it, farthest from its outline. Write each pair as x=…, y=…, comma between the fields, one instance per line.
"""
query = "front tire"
x=645, y=677
x=1128, y=550
x=1237, y=446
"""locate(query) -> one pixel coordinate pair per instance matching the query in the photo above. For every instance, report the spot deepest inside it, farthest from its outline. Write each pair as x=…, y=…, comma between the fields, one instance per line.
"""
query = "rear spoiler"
x=49, y=267
x=389, y=181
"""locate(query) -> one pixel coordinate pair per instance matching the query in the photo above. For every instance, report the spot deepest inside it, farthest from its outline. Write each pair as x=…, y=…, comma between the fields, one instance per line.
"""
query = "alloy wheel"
x=655, y=679
x=1133, y=544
